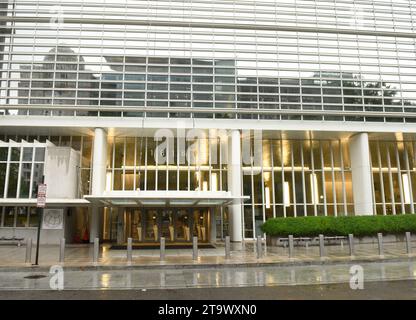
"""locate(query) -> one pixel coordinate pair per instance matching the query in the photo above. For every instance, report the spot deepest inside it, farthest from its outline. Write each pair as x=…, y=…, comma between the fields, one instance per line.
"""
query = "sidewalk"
x=12, y=258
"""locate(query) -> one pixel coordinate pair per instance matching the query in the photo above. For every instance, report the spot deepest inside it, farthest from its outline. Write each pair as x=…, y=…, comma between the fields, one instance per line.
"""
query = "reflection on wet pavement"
x=211, y=277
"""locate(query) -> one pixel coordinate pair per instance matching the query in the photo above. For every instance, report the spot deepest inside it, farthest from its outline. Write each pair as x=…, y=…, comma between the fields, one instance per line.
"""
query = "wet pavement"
x=376, y=290
x=80, y=256
x=209, y=277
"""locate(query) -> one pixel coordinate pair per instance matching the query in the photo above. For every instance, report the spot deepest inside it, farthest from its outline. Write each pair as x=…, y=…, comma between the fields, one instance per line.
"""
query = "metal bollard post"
x=321, y=246
x=96, y=250
x=28, y=250
x=351, y=244
x=380, y=244
x=162, y=248
x=290, y=246
x=227, y=247
x=259, y=247
x=129, y=250
x=408, y=243
x=195, y=248
x=62, y=250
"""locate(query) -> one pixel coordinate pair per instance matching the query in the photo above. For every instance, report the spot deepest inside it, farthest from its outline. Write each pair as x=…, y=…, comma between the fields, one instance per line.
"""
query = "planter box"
x=274, y=241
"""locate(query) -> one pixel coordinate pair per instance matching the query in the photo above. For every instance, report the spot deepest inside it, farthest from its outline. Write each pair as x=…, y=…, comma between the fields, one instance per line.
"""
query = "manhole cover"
x=35, y=276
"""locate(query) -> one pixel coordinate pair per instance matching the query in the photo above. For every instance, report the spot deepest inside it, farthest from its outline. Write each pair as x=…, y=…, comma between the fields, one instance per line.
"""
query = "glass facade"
x=22, y=168
x=394, y=176
x=137, y=164
x=334, y=60
x=296, y=178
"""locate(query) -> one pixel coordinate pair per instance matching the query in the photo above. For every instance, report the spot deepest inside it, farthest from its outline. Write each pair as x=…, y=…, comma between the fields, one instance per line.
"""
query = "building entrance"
x=176, y=225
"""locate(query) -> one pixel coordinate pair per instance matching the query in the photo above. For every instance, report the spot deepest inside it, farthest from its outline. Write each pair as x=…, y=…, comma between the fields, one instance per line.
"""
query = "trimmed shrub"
x=360, y=226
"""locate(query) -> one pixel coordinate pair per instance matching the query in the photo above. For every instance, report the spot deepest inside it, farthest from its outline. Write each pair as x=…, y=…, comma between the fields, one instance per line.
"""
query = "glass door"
x=183, y=225
x=151, y=233
x=167, y=225
x=136, y=230
x=200, y=228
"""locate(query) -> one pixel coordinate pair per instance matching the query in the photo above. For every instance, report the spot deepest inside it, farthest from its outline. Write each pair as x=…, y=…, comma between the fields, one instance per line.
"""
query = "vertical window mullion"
x=323, y=178
x=399, y=177
x=113, y=164
x=19, y=171
x=292, y=161
x=156, y=156
x=32, y=169
x=344, y=191
x=283, y=176
x=124, y=164
x=334, y=190
x=314, y=192
x=305, y=200
x=145, y=164
x=6, y=179
x=393, y=204
x=406, y=158
x=263, y=206
x=272, y=173
x=135, y=165
x=380, y=168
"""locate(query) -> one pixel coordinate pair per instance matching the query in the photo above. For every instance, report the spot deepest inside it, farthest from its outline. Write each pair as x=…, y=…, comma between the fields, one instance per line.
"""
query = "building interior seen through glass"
x=282, y=177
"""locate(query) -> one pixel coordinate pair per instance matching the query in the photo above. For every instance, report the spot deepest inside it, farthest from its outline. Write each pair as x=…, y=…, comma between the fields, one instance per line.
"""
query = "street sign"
x=41, y=199
x=40, y=204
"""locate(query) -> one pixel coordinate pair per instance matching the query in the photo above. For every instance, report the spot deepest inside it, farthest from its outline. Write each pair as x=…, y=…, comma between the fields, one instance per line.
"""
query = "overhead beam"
x=211, y=25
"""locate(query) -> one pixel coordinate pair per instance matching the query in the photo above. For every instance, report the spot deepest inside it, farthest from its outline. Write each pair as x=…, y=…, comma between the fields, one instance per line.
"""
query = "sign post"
x=40, y=204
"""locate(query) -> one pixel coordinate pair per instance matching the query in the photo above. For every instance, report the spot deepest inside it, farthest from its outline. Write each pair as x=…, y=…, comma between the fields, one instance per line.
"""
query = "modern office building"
x=204, y=118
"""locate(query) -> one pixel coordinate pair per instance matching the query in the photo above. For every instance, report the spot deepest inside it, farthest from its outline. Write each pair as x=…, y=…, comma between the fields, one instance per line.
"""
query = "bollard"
x=259, y=247
x=195, y=248
x=380, y=244
x=227, y=247
x=62, y=250
x=290, y=246
x=129, y=250
x=351, y=244
x=96, y=250
x=162, y=248
x=28, y=250
x=408, y=243
x=321, y=246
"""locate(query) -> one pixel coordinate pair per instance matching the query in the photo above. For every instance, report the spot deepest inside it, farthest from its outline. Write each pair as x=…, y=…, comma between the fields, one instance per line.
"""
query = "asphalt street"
x=374, y=290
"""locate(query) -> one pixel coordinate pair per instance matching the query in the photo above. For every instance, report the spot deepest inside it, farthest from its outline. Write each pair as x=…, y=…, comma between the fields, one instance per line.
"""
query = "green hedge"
x=340, y=226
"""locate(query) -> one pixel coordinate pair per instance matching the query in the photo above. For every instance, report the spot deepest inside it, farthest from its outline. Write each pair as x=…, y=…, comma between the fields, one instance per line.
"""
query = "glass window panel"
x=15, y=154
x=40, y=154
x=248, y=222
x=9, y=216
x=13, y=176
x=21, y=219
x=3, y=153
x=33, y=217
x=2, y=178
x=25, y=180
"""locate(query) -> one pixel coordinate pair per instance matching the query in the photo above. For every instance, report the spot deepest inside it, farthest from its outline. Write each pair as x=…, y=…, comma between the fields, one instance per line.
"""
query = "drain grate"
x=35, y=276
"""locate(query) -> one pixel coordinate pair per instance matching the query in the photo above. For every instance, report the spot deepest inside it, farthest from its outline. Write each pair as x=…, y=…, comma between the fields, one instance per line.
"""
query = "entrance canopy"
x=164, y=198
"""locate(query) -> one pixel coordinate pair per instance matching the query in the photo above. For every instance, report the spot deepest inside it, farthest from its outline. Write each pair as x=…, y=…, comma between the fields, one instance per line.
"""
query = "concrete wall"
x=46, y=236
x=61, y=178
x=61, y=172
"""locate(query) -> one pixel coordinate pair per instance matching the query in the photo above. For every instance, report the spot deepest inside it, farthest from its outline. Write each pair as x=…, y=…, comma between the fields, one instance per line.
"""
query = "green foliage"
x=340, y=226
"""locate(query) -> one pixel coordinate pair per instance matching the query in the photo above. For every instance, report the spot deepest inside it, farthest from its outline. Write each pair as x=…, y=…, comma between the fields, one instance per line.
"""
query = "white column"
x=234, y=185
x=361, y=174
x=99, y=163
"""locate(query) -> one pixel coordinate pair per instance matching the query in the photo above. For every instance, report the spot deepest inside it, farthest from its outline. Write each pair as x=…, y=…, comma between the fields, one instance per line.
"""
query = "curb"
x=293, y=263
